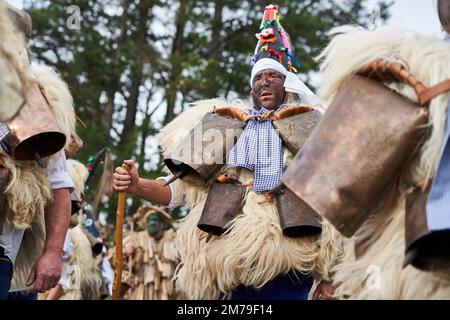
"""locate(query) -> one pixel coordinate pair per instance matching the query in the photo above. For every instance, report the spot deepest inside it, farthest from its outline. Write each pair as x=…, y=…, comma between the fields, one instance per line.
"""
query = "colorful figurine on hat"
x=274, y=41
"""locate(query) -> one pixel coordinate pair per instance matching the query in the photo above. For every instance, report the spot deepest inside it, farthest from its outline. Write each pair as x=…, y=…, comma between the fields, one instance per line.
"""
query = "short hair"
x=444, y=14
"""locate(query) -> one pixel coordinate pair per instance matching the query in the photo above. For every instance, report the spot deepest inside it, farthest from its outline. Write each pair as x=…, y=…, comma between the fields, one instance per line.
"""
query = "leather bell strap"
x=234, y=113
x=285, y=113
x=431, y=93
x=395, y=71
x=392, y=72
x=241, y=115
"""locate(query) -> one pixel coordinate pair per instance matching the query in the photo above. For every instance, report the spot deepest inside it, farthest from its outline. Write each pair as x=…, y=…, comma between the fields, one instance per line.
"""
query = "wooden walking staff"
x=118, y=263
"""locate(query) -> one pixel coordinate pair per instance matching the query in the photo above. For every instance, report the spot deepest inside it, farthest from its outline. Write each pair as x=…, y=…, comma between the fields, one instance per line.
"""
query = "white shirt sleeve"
x=57, y=173
x=67, y=248
x=107, y=274
x=64, y=281
x=178, y=197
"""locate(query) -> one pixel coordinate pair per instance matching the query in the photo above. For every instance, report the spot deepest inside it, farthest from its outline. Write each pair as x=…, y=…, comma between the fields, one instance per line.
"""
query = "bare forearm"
x=55, y=293
x=153, y=191
x=57, y=217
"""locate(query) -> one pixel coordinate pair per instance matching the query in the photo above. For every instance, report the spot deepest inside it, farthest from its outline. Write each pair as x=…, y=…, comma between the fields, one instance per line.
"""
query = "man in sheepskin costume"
x=36, y=214
x=253, y=254
x=438, y=202
x=150, y=257
x=27, y=189
x=398, y=246
x=35, y=210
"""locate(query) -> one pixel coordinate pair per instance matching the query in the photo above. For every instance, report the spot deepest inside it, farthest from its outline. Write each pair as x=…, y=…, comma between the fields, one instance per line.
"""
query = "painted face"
x=268, y=90
x=154, y=224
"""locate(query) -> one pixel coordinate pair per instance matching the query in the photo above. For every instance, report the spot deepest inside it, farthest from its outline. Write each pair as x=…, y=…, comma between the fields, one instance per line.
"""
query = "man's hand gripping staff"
x=119, y=239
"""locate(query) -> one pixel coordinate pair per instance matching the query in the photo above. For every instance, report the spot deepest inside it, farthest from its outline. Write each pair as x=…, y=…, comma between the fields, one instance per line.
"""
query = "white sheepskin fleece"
x=253, y=251
x=59, y=98
x=78, y=173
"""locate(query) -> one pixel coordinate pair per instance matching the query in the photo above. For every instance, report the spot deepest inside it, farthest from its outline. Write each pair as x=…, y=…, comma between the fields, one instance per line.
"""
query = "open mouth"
x=265, y=94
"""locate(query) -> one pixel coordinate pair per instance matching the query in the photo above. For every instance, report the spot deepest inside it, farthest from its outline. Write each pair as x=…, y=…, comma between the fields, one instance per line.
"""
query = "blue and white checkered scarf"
x=260, y=150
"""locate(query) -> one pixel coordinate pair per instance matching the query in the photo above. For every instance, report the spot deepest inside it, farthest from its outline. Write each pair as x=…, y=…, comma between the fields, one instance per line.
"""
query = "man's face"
x=268, y=90
x=154, y=224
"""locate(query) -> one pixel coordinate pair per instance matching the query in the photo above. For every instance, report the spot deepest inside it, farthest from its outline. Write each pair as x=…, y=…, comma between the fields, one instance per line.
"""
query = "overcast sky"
x=418, y=15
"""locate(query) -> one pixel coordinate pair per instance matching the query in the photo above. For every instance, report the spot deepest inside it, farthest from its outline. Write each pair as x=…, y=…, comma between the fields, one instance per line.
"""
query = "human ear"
x=287, y=96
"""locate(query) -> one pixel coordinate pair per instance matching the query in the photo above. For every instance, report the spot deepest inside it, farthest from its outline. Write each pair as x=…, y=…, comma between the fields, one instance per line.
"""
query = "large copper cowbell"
x=198, y=164
x=223, y=204
x=356, y=152
x=297, y=219
x=34, y=133
x=425, y=249
x=295, y=130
